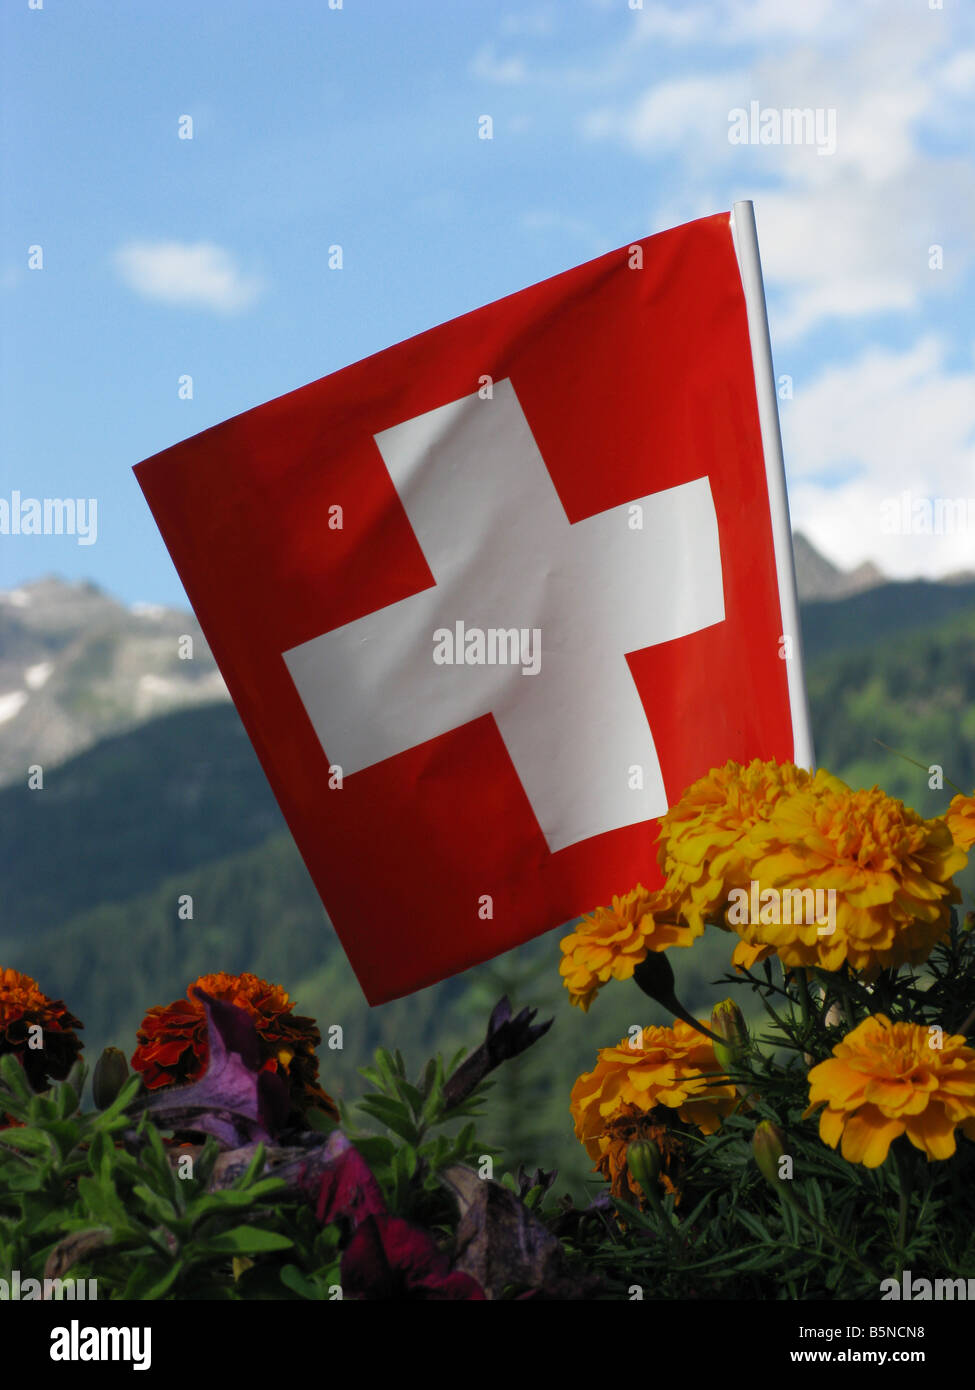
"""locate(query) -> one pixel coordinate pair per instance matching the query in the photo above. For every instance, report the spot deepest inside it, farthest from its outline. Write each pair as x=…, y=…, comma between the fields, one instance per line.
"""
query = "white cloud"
x=38, y=675
x=11, y=705
x=892, y=422
x=831, y=253
x=844, y=234
x=490, y=68
x=539, y=22
x=201, y=274
x=729, y=22
x=688, y=113
x=959, y=72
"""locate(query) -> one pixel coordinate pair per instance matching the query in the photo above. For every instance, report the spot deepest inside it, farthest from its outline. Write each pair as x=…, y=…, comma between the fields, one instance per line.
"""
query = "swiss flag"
x=488, y=601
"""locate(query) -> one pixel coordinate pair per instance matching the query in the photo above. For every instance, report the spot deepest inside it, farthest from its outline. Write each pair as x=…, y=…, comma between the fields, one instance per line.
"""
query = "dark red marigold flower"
x=173, y=1049
x=22, y=1006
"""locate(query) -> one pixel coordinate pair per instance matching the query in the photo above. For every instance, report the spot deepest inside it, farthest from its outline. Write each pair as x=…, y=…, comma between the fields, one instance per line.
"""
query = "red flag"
x=488, y=601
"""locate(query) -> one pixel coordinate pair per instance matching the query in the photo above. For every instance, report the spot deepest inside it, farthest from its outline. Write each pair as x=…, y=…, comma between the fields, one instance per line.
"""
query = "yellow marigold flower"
x=960, y=819
x=886, y=1079
x=701, y=837
x=747, y=955
x=891, y=872
x=612, y=941
x=665, y=1072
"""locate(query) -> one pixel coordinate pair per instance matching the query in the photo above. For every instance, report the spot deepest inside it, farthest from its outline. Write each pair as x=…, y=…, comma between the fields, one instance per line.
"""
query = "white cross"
x=503, y=554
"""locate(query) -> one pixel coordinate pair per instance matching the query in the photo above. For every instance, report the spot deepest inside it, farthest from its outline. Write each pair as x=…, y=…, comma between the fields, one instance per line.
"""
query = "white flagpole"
x=746, y=245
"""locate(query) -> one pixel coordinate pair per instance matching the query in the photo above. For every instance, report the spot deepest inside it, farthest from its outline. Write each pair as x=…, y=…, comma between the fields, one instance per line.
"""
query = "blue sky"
x=358, y=126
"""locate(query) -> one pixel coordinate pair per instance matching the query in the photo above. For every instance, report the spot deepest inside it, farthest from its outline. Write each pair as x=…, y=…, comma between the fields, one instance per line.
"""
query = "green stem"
x=680, y=1012
x=805, y=1003
x=965, y=1027
x=908, y=759
x=652, y=1194
x=904, y=1182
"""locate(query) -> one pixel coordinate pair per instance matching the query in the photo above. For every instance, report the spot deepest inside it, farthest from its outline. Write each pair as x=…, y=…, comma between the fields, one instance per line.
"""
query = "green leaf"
x=35, y=1141
x=386, y=1069
x=255, y=1167
x=245, y=1240
x=160, y=1208
x=292, y=1278
x=414, y=1096
x=65, y=1134
x=692, y=1217
x=234, y=1199
x=103, y=1203
x=122, y=1101
x=428, y=1077
x=404, y=1166
x=146, y=1283
x=392, y=1113
x=66, y=1099
x=13, y=1078
x=464, y=1139
x=373, y=1077
x=433, y=1092
x=101, y=1152
x=753, y=1224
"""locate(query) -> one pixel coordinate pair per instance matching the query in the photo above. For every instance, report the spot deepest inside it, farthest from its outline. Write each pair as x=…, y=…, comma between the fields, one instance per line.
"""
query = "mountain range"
x=77, y=665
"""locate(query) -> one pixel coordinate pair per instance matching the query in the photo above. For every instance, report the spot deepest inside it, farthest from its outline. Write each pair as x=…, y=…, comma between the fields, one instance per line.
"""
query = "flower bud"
x=643, y=1161
x=110, y=1075
x=728, y=1022
x=768, y=1145
x=655, y=976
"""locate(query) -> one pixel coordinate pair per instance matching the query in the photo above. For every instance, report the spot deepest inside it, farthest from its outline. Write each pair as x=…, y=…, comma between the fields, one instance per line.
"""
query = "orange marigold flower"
x=891, y=872
x=886, y=1079
x=960, y=819
x=666, y=1068
x=701, y=837
x=609, y=1150
x=173, y=1038
x=612, y=941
